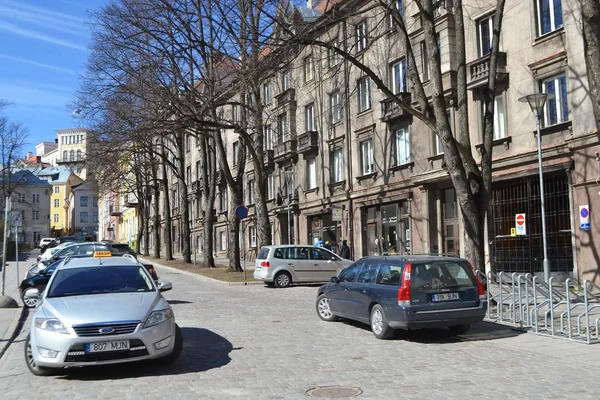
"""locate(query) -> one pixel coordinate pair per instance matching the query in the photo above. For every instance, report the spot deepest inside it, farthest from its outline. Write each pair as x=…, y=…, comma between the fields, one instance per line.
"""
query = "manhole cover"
x=335, y=392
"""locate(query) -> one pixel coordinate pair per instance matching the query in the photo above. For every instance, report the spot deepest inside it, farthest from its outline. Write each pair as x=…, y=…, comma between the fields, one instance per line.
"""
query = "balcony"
x=479, y=70
x=286, y=97
x=114, y=212
x=286, y=151
x=69, y=160
x=197, y=186
x=269, y=159
x=131, y=202
x=441, y=7
x=391, y=110
x=220, y=177
x=308, y=142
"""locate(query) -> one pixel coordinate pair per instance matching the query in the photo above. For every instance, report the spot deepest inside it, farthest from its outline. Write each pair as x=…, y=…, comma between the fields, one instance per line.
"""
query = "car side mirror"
x=165, y=286
x=333, y=279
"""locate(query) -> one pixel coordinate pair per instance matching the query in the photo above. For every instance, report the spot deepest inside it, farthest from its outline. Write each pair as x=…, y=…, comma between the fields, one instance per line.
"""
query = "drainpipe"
x=572, y=221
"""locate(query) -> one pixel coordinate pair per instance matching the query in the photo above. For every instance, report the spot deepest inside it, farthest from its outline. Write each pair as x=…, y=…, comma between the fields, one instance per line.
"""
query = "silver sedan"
x=101, y=310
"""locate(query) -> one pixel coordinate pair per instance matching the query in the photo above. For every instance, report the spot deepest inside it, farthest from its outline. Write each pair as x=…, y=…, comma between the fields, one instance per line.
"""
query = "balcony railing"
x=196, y=186
x=479, y=71
x=286, y=151
x=390, y=109
x=131, y=202
x=308, y=142
x=69, y=160
x=287, y=96
x=269, y=158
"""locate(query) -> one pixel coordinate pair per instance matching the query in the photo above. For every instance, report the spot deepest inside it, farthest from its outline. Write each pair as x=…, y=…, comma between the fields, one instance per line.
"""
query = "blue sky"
x=43, y=50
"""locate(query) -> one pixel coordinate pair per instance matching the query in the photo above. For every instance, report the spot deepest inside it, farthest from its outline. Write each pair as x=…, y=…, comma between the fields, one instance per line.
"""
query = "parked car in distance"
x=101, y=310
x=117, y=249
x=36, y=281
x=44, y=241
x=46, y=255
x=283, y=265
x=405, y=292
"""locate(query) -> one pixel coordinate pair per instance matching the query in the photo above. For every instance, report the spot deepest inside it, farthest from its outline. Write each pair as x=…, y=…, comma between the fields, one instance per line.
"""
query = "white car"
x=50, y=252
x=101, y=310
x=45, y=241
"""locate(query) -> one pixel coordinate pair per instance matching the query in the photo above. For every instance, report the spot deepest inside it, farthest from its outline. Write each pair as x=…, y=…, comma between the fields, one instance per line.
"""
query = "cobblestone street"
x=251, y=342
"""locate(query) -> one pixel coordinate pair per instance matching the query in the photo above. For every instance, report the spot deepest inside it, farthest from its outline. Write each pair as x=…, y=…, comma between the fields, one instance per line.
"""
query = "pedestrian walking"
x=345, y=250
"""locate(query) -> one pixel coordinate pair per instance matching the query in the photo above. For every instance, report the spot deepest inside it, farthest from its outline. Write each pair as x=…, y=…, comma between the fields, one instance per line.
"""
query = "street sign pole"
x=6, y=225
x=17, y=252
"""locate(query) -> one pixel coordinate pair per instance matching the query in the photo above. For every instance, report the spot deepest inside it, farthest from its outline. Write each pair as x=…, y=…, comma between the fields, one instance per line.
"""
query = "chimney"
x=56, y=141
x=29, y=155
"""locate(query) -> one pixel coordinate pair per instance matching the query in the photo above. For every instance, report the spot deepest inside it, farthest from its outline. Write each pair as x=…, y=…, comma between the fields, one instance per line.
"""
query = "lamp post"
x=289, y=183
x=537, y=101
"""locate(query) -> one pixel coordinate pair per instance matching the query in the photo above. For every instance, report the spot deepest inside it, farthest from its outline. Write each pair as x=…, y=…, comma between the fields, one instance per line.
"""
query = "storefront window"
x=389, y=223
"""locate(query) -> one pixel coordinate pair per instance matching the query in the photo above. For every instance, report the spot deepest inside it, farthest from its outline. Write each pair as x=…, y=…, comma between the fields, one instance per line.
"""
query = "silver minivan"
x=283, y=265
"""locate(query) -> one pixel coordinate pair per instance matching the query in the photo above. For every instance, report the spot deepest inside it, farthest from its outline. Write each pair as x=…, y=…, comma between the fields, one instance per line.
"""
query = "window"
x=309, y=117
x=332, y=57
x=268, y=137
x=400, y=7
x=402, y=146
x=439, y=145
x=223, y=240
x=95, y=201
x=337, y=171
x=549, y=16
x=235, y=113
x=83, y=201
x=286, y=80
x=485, y=31
x=79, y=156
x=20, y=198
x=556, y=110
x=270, y=187
x=236, y=152
x=56, y=203
x=198, y=171
x=267, y=93
x=389, y=274
x=361, y=36
x=398, y=77
x=252, y=192
x=188, y=174
x=364, y=94
x=253, y=237
x=72, y=155
x=367, y=273
x=35, y=198
x=335, y=108
x=35, y=214
x=283, y=127
x=188, y=143
x=424, y=63
x=499, y=124
x=223, y=200
x=95, y=217
x=366, y=155
x=56, y=189
x=349, y=274
x=56, y=217
x=65, y=155
x=83, y=217
x=308, y=69
x=311, y=173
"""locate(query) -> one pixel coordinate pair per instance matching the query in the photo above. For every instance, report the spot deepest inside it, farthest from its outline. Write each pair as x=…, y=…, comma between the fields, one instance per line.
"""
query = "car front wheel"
x=379, y=325
x=31, y=364
x=323, y=309
x=29, y=301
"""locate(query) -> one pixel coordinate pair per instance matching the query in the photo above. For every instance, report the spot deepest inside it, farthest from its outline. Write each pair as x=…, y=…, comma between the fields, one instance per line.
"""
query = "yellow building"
x=62, y=180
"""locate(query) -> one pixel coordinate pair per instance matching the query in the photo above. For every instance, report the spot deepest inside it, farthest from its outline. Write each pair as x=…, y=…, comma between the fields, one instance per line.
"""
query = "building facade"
x=72, y=150
x=83, y=203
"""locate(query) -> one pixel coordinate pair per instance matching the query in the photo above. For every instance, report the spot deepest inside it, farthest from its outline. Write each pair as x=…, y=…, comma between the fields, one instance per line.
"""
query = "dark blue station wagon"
x=405, y=292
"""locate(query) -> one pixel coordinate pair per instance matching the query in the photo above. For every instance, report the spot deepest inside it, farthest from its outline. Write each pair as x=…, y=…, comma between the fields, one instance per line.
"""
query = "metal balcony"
x=131, y=202
x=286, y=151
x=308, y=142
x=390, y=109
x=285, y=97
x=269, y=159
x=479, y=70
x=196, y=186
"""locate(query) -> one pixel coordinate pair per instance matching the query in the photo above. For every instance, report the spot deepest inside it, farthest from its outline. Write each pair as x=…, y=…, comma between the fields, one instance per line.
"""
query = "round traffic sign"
x=520, y=220
x=584, y=213
x=241, y=212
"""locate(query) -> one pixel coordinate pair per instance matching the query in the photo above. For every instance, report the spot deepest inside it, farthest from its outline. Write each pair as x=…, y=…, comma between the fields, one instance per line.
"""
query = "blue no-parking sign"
x=584, y=217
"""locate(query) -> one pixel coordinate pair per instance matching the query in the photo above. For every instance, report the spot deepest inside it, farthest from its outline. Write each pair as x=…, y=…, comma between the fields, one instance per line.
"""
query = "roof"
x=326, y=5
x=26, y=177
x=57, y=174
x=86, y=262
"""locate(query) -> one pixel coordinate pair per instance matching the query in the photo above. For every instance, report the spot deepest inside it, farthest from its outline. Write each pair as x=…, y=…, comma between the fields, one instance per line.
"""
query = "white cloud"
x=44, y=21
x=57, y=17
x=38, y=64
x=37, y=35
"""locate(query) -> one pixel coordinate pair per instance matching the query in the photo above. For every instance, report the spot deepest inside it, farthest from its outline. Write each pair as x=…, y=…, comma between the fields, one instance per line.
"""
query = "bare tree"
x=13, y=139
x=591, y=41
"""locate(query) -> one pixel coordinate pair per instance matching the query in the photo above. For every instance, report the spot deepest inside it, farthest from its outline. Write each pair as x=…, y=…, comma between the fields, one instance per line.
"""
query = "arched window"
x=65, y=155
x=79, y=155
x=72, y=155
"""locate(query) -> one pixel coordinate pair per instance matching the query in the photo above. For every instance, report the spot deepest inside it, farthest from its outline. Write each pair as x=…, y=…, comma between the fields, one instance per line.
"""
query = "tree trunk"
x=167, y=204
x=208, y=164
x=183, y=199
x=234, y=230
x=591, y=41
x=156, y=209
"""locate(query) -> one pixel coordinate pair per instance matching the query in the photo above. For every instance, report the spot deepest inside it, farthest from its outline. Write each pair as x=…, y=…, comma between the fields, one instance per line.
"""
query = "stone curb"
x=201, y=277
x=13, y=330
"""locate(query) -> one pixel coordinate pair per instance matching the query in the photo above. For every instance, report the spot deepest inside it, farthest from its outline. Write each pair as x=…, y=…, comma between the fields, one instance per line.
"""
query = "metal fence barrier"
x=559, y=309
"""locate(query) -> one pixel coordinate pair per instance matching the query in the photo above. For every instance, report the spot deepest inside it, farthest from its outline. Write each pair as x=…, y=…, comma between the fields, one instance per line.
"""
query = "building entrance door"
x=450, y=235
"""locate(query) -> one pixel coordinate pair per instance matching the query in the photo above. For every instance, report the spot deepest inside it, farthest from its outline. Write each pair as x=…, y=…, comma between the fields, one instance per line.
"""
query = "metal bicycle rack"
x=558, y=309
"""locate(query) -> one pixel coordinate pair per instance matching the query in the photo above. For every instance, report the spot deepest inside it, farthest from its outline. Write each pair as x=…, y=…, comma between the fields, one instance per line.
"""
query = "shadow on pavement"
x=479, y=332
x=179, y=302
x=203, y=350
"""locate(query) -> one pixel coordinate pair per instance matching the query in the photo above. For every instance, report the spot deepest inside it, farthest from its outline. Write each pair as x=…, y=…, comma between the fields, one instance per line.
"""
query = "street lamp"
x=537, y=101
x=289, y=183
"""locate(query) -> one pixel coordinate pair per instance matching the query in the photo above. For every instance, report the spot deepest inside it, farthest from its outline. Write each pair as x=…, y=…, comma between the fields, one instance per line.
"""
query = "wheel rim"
x=324, y=309
x=377, y=322
x=30, y=302
x=283, y=280
x=30, y=359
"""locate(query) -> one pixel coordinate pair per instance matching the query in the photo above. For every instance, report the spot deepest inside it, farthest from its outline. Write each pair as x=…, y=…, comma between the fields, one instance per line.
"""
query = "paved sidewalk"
x=10, y=317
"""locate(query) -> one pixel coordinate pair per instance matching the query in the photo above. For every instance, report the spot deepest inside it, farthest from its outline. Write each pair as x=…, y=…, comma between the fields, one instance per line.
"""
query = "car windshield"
x=95, y=280
x=442, y=275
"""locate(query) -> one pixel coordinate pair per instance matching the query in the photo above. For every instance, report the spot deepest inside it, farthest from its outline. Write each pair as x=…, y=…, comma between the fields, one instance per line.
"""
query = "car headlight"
x=51, y=325
x=156, y=317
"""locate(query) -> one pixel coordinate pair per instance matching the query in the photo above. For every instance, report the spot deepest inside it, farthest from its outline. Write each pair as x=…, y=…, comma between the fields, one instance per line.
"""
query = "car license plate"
x=445, y=297
x=257, y=269
x=107, y=346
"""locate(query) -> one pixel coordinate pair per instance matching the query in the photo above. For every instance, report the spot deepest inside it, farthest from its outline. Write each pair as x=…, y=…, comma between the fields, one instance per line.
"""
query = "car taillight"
x=151, y=270
x=480, y=288
x=404, y=291
x=264, y=264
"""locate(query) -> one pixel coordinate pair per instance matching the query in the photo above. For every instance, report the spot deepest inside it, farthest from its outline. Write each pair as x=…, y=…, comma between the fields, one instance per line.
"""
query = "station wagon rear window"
x=389, y=274
x=442, y=275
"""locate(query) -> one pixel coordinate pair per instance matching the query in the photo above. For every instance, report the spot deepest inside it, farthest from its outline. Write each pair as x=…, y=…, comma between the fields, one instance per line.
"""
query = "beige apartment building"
x=364, y=171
